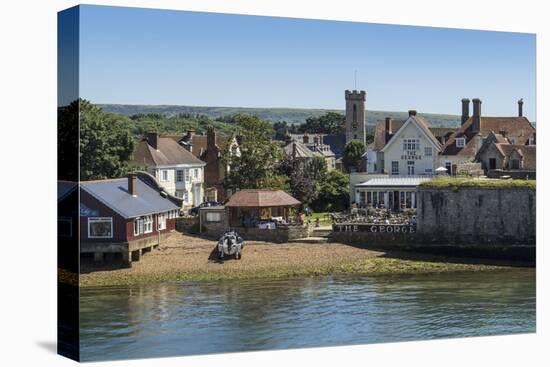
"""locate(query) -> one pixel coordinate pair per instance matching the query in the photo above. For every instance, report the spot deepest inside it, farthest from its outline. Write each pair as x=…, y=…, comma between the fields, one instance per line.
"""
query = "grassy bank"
x=186, y=258
x=459, y=182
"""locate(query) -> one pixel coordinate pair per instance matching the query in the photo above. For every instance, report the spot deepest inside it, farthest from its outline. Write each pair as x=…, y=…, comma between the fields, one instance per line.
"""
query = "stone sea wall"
x=474, y=215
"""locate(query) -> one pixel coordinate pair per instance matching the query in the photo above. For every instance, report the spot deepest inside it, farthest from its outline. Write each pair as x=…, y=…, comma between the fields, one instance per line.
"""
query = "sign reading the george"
x=374, y=228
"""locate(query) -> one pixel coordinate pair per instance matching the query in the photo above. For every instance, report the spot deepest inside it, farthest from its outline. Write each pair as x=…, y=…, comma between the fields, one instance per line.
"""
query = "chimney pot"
x=132, y=183
x=520, y=107
x=465, y=110
x=412, y=112
x=476, y=123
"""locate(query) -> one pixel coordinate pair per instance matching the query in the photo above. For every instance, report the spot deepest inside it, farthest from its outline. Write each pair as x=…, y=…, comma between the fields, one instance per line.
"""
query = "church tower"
x=356, y=127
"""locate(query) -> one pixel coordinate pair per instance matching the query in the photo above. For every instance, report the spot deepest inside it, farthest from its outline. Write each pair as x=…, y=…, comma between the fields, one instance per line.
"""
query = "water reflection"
x=195, y=318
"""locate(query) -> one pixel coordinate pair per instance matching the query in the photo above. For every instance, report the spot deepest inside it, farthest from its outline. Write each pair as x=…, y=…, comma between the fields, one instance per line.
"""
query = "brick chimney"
x=132, y=183
x=153, y=139
x=520, y=107
x=190, y=134
x=465, y=110
x=476, y=116
x=412, y=113
x=388, y=129
x=210, y=138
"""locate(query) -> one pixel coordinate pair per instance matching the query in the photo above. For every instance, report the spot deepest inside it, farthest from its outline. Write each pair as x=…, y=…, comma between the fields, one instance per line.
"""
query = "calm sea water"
x=196, y=318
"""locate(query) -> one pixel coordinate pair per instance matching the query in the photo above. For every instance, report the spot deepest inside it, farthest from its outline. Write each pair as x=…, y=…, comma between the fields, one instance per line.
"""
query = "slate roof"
x=64, y=188
x=261, y=198
x=337, y=143
x=396, y=181
x=518, y=127
x=169, y=153
x=114, y=194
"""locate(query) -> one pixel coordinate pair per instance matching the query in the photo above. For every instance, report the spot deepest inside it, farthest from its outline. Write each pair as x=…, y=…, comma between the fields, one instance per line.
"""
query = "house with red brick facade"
x=122, y=218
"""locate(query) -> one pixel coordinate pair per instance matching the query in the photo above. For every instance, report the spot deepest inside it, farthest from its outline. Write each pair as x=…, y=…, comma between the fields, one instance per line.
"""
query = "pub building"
x=394, y=193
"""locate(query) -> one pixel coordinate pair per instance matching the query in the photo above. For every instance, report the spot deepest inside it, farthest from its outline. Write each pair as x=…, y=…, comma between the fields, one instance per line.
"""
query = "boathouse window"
x=143, y=225
x=179, y=175
x=213, y=217
x=395, y=167
x=162, y=221
x=460, y=142
x=100, y=227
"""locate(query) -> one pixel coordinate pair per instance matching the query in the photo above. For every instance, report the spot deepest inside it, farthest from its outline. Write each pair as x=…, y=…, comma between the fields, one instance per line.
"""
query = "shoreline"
x=188, y=258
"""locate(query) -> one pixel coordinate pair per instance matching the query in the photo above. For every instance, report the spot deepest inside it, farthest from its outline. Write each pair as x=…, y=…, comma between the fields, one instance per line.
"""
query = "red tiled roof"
x=261, y=198
x=518, y=127
x=169, y=152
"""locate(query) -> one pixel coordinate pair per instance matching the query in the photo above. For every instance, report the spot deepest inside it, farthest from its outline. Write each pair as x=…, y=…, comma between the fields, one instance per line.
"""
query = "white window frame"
x=196, y=172
x=179, y=175
x=187, y=175
x=161, y=221
x=143, y=225
x=410, y=164
x=395, y=164
x=164, y=175
x=428, y=151
x=411, y=144
x=92, y=220
x=460, y=142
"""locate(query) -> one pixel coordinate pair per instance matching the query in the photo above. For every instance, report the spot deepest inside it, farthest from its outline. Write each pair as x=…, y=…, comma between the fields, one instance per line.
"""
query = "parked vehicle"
x=230, y=244
x=195, y=210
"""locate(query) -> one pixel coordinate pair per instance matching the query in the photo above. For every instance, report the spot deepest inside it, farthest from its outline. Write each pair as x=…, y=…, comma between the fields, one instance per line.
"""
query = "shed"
x=249, y=208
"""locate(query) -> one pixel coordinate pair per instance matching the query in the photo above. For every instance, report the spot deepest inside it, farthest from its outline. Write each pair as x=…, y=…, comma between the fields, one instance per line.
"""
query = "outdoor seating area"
x=376, y=216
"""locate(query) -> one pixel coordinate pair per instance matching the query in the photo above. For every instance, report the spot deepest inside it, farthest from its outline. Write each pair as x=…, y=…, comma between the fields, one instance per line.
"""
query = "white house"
x=176, y=169
x=411, y=151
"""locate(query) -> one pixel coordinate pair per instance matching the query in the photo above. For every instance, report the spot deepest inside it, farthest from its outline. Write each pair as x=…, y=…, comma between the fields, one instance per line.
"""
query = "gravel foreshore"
x=184, y=257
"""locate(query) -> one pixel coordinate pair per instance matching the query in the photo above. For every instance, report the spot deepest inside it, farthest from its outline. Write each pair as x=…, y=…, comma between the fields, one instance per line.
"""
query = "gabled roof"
x=64, y=188
x=114, y=194
x=169, y=153
x=423, y=127
x=380, y=133
x=527, y=152
x=261, y=198
x=518, y=127
x=302, y=151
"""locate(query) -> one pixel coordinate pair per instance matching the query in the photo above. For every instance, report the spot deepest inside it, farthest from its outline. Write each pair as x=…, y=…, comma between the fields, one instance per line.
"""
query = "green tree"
x=301, y=185
x=316, y=168
x=333, y=192
x=329, y=123
x=352, y=155
x=106, y=144
x=259, y=156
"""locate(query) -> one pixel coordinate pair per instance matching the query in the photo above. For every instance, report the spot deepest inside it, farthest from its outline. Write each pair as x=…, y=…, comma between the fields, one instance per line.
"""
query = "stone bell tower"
x=356, y=127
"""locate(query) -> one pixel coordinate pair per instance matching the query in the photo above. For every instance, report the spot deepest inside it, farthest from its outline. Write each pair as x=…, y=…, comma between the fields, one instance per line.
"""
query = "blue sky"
x=144, y=56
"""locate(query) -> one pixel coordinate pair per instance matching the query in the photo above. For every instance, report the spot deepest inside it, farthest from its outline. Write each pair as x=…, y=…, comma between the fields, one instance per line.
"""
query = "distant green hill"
x=291, y=115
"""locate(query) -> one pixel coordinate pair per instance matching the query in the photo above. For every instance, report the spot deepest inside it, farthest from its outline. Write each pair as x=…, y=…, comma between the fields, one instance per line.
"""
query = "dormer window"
x=460, y=142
